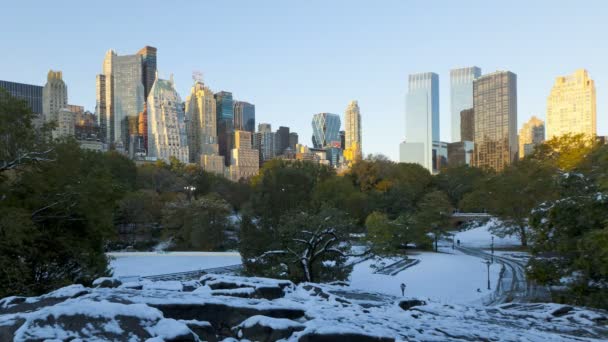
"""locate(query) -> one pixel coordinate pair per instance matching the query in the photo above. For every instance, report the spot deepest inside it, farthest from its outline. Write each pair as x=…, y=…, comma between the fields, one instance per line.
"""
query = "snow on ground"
x=481, y=237
x=443, y=277
x=150, y=263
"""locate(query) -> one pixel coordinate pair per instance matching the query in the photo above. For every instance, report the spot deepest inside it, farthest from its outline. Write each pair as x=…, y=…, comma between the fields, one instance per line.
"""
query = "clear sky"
x=293, y=59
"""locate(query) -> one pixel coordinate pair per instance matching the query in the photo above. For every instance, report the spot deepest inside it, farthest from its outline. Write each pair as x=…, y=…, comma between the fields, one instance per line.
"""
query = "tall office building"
x=531, y=134
x=421, y=120
x=293, y=140
x=225, y=124
x=166, y=123
x=264, y=127
x=244, y=158
x=32, y=94
x=282, y=140
x=326, y=130
x=148, y=58
x=54, y=99
x=352, y=132
x=495, y=106
x=571, y=106
x=467, y=125
x=244, y=116
x=201, y=124
x=121, y=93
x=265, y=142
x=461, y=95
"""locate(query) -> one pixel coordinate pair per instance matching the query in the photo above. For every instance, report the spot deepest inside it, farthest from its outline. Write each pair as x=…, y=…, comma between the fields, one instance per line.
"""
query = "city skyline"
x=294, y=60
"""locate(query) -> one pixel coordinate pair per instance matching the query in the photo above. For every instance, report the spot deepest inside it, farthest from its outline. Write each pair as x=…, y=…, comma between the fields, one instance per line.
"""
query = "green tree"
x=458, y=181
x=340, y=193
x=433, y=214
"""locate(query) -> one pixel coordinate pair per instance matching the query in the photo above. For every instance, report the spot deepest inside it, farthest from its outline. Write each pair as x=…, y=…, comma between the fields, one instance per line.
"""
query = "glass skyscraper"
x=461, y=95
x=225, y=123
x=32, y=94
x=244, y=116
x=326, y=130
x=421, y=119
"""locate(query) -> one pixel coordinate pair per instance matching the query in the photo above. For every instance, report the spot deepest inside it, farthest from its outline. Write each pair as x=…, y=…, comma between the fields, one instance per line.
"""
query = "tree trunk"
x=523, y=237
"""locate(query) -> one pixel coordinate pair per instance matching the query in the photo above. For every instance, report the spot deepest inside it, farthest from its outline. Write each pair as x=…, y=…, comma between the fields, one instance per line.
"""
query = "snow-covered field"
x=481, y=237
x=152, y=263
x=442, y=277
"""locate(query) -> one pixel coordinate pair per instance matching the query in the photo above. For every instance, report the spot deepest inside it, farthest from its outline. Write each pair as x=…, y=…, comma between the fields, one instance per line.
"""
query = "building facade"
x=326, y=130
x=281, y=140
x=293, y=140
x=54, y=99
x=32, y=94
x=66, y=124
x=421, y=119
x=352, y=133
x=244, y=158
x=460, y=153
x=467, y=125
x=201, y=124
x=166, y=123
x=461, y=96
x=225, y=124
x=265, y=142
x=571, y=106
x=244, y=116
x=495, y=107
x=531, y=134
x=148, y=61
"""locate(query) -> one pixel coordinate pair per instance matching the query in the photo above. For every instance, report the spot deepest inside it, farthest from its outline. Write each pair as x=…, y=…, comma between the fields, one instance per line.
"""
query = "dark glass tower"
x=224, y=107
x=244, y=116
x=282, y=137
x=32, y=94
x=148, y=56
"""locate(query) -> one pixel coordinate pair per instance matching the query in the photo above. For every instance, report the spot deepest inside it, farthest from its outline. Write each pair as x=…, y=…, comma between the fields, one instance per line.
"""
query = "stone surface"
x=410, y=303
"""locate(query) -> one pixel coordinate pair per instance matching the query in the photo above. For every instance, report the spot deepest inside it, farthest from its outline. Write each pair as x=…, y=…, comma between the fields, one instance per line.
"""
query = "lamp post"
x=189, y=190
x=492, y=248
x=488, y=263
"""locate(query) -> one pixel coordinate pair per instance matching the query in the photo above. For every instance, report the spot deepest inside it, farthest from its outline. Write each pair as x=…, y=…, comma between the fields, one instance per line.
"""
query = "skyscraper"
x=461, y=95
x=352, y=132
x=54, y=99
x=225, y=123
x=148, y=57
x=244, y=116
x=326, y=130
x=293, y=140
x=265, y=142
x=282, y=140
x=495, y=106
x=421, y=119
x=166, y=123
x=244, y=159
x=32, y=94
x=531, y=134
x=121, y=92
x=571, y=106
x=201, y=124
x=467, y=125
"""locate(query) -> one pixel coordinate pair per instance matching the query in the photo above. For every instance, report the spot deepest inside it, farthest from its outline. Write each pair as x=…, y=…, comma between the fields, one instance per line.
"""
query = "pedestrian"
x=458, y=242
x=402, y=289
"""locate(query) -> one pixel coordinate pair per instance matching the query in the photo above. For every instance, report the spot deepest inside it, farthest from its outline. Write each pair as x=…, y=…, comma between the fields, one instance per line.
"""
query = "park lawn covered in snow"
x=143, y=264
x=481, y=237
x=442, y=277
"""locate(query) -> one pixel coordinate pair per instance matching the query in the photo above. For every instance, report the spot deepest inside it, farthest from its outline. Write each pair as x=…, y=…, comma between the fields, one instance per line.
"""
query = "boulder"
x=107, y=282
x=267, y=329
x=204, y=330
x=8, y=328
x=407, y=304
x=564, y=310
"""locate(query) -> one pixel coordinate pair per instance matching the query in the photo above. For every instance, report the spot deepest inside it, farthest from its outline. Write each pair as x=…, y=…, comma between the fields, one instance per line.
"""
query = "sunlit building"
x=461, y=96
x=166, y=123
x=421, y=120
x=326, y=130
x=224, y=107
x=244, y=158
x=54, y=99
x=201, y=125
x=531, y=134
x=352, y=133
x=495, y=107
x=571, y=106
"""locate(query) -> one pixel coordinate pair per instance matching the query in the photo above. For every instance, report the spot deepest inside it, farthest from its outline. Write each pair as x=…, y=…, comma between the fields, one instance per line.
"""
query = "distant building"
x=571, y=106
x=66, y=123
x=421, y=120
x=244, y=116
x=166, y=123
x=201, y=125
x=440, y=156
x=352, y=137
x=54, y=99
x=282, y=140
x=264, y=127
x=467, y=125
x=244, y=158
x=460, y=153
x=495, y=106
x=32, y=94
x=265, y=142
x=225, y=124
x=461, y=96
x=326, y=130
x=148, y=59
x=531, y=134
x=293, y=140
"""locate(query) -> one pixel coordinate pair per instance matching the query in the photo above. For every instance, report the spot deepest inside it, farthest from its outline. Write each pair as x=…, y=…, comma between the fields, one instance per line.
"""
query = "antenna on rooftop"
x=197, y=76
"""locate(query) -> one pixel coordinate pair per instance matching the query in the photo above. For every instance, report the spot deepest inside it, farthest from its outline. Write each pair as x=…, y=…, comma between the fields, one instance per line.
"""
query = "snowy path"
x=401, y=265
x=512, y=285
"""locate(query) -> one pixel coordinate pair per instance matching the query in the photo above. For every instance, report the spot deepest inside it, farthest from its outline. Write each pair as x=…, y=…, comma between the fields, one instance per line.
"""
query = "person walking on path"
x=402, y=289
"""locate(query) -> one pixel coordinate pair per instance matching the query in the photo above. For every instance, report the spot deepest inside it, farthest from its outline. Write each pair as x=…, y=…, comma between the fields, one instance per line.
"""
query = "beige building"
x=244, y=159
x=571, y=106
x=531, y=134
x=66, y=122
x=54, y=98
x=495, y=108
x=352, y=133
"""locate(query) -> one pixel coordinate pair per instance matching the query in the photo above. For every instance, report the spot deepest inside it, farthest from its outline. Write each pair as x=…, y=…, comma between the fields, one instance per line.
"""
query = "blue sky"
x=296, y=58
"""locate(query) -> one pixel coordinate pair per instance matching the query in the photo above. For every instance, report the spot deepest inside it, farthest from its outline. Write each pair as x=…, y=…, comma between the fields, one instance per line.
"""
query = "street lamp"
x=488, y=263
x=492, y=248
